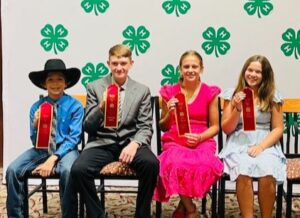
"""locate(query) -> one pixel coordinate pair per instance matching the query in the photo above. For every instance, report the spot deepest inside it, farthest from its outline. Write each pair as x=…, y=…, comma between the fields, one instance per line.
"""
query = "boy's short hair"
x=120, y=50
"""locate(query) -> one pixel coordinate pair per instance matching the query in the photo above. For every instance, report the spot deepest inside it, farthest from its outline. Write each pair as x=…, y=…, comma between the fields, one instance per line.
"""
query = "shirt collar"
x=122, y=87
x=58, y=101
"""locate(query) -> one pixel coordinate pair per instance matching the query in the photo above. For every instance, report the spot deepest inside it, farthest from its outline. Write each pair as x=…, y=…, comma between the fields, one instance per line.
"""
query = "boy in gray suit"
x=128, y=143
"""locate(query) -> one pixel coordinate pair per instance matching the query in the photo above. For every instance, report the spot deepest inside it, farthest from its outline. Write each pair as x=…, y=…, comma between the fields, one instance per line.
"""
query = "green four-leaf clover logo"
x=216, y=41
x=54, y=38
x=179, y=6
x=136, y=39
x=292, y=43
x=171, y=75
x=289, y=120
x=96, y=5
x=263, y=7
x=92, y=73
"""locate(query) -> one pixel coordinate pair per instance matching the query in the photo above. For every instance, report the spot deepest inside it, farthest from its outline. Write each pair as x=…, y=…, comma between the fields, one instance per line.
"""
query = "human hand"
x=128, y=152
x=36, y=118
x=103, y=101
x=255, y=150
x=47, y=168
x=172, y=103
x=193, y=139
x=237, y=100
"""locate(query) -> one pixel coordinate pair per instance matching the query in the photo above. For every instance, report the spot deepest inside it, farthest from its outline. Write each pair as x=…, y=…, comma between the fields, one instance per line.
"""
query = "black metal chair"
x=291, y=150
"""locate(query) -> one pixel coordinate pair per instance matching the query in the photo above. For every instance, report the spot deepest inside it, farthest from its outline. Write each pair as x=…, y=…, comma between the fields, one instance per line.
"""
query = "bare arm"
x=167, y=110
x=232, y=112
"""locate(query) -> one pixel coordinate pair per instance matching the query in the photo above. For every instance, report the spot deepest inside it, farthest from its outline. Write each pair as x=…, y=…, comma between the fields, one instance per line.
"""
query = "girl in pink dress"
x=188, y=164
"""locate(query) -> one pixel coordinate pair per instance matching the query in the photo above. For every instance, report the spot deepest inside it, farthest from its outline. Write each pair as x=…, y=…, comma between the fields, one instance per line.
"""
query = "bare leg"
x=266, y=195
x=180, y=207
x=244, y=189
x=189, y=206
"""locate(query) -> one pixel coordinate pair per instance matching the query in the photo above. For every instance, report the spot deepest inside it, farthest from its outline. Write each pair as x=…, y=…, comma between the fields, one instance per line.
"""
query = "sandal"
x=179, y=213
x=193, y=213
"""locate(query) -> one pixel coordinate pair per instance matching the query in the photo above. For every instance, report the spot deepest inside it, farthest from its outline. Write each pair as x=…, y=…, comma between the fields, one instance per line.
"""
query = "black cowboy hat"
x=72, y=75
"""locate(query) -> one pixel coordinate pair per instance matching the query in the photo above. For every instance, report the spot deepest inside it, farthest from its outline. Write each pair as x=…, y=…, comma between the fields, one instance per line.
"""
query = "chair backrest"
x=80, y=98
x=220, y=133
x=156, y=110
x=291, y=116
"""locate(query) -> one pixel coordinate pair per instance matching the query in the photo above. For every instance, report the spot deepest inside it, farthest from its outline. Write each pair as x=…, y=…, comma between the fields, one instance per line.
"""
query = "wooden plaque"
x=44, y=126
x=248, y=110
x=182, y=115
x=112, y=107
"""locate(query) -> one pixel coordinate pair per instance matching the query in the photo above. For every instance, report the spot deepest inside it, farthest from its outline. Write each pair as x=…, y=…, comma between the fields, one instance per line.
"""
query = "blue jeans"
x=28, y=161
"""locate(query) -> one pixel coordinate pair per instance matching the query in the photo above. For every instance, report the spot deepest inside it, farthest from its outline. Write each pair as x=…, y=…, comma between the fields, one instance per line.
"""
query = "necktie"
x=120, y=104
x=52, y=145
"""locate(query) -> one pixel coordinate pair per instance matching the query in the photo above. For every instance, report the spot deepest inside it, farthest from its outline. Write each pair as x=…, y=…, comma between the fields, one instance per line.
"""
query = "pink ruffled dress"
x=184, y=170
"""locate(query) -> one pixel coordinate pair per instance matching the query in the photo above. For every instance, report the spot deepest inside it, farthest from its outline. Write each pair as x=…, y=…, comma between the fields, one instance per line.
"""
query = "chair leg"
x=221, y=198
x=102, y=193
x=44, y=195
x=289, y=199
x=26, y=204
x=158, y=209
x=279, y=200
x=81, y=207
x=203, y=205
x=214, y=201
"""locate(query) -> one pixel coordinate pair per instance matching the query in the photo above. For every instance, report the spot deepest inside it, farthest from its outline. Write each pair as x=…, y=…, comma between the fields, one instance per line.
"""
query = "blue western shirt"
x=70, y=113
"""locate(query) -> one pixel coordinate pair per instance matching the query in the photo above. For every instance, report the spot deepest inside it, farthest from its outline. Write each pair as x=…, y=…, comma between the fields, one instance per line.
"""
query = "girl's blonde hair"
x=267, y=87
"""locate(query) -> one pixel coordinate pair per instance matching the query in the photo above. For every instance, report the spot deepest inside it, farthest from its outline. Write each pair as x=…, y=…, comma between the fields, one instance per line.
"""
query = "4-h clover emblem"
x=216, y=41
x=263, y=7
x=292, y=43
x=92, y=73
x=54, y=38
x=171, y=75
x=136, y=39
x=289, y=120
x=179, y=6
x=96, y=5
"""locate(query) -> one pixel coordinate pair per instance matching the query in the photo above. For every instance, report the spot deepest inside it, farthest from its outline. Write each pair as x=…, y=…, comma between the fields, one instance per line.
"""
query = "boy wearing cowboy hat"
x=61, y=154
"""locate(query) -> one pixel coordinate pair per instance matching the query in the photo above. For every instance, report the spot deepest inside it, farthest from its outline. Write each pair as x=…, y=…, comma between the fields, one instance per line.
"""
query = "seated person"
x=257, y=153
x=62, y=151
x=188, y=163
x=129, y=142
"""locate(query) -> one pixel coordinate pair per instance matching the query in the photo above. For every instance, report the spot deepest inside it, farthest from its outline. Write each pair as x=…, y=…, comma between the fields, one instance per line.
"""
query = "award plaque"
x=248, y=110
x=44, y=126
x=112, y=107
x=181, y=115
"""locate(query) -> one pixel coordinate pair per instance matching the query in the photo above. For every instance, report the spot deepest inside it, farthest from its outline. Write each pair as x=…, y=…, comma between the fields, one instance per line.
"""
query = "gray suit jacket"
x=136, y=122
